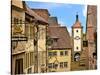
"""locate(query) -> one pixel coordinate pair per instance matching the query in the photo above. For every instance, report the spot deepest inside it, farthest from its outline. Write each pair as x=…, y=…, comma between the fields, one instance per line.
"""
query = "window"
x=85, y=43
x=61, y=64
x=61, y=53
x=49, y=41
x=76, y=47
x=94, y=55
x=15, y=20
x=52, y=53
x=19, y=66
x=66, y=52
x=56, y=65
x=76, y=30
x=65, y=64
x=55, y=39
x=50, y=65
x=53, y=65
x=20, y=21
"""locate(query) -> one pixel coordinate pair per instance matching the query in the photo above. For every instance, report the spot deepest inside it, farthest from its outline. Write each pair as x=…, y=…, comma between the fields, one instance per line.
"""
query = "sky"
x=65, y=13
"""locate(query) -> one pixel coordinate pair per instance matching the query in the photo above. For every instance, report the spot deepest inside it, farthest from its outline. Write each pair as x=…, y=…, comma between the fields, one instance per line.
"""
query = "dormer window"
x=55, y=39
x=49, y=41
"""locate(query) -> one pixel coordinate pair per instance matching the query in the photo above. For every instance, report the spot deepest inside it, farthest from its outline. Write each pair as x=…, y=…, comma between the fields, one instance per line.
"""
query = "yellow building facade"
x=59, y=60
x=59, y=51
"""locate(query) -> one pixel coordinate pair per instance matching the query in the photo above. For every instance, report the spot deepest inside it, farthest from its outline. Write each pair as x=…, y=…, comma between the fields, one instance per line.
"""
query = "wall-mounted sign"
x=19, y=38
x=17, y=29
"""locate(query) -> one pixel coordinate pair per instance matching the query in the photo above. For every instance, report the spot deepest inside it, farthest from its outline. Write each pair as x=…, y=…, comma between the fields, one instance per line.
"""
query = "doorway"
x=19, y=66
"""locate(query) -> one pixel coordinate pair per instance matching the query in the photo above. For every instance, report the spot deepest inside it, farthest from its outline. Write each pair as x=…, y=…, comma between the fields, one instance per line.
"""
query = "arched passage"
x=77, y=57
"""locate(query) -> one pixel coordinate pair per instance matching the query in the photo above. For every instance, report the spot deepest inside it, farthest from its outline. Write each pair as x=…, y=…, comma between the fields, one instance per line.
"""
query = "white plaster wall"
x=79, y=33
x=78, y=43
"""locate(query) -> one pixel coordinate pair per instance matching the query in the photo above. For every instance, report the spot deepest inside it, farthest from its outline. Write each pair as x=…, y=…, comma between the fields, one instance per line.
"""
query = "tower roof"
x=77, y=23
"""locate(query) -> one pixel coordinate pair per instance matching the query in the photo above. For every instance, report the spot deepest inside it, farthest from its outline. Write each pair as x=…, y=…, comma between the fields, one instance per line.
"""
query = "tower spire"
x=76, y=16
x=77, y=22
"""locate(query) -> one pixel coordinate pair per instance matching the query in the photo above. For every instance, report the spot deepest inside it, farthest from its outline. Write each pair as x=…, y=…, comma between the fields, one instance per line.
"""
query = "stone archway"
x=76, y=56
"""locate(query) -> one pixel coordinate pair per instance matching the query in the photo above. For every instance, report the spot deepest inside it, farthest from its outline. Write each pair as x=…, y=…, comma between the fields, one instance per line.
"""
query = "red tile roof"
x=32, y=13
x=77, y=25
x=62, y=34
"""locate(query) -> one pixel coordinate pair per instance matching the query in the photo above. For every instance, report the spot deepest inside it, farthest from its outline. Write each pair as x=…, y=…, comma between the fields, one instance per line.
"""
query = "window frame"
x=61, y=64
x=65, y=64
x=61, y=53
x=50, y=65
x=66, y=53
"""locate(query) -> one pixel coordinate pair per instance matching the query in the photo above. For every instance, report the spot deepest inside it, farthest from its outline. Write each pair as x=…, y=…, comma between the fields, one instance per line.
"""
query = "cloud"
x=85, y=10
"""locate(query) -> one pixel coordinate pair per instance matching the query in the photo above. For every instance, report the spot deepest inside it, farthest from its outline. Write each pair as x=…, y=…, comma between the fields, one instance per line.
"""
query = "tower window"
x=76, y=47
x=76, y=30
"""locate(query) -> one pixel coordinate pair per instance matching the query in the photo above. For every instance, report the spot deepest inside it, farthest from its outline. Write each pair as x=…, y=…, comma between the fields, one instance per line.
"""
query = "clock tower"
x=77, y=30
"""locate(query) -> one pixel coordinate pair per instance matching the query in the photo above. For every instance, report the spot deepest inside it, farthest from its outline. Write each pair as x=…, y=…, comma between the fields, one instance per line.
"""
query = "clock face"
x=77, y=38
